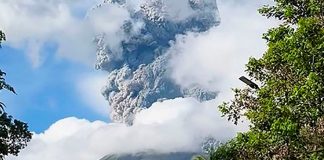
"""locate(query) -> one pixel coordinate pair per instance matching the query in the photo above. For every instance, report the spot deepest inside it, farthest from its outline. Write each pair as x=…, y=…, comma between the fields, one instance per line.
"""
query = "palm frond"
x=2, y=106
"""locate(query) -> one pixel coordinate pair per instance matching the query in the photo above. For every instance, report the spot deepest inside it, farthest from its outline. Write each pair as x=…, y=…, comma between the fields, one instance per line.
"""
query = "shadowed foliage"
x=14, y=134
x=2, y=37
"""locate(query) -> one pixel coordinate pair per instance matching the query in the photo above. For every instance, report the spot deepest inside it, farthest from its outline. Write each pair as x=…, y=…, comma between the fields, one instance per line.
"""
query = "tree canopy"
x=287, y=111
x=14, y=134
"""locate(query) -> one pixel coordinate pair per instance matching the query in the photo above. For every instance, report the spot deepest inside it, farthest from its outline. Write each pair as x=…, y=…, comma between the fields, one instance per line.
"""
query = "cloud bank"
x=32, y=24
x=213, y=59
x=169, y=126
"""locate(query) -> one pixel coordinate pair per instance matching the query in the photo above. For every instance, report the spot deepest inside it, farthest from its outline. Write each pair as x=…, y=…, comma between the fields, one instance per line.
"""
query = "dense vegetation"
x=14, y=134
x=287, y=112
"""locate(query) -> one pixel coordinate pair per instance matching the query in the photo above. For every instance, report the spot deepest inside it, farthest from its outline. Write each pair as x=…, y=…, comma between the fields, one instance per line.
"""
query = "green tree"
x=287, y=111
x=14, y=134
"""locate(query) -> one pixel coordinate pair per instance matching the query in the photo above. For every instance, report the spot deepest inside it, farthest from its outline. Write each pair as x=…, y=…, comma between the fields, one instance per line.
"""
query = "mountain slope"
x=151, y=156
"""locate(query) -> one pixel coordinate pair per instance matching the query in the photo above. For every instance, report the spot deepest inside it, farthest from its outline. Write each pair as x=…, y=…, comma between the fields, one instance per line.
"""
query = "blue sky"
x=49, y=58
x=47, y=93
x=48, y=66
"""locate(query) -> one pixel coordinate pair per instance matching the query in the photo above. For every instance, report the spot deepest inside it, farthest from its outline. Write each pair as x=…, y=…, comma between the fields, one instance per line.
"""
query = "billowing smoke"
x=137, y=59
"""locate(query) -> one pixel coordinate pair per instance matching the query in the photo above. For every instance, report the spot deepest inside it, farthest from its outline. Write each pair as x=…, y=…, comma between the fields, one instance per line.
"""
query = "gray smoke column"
x=138, y=73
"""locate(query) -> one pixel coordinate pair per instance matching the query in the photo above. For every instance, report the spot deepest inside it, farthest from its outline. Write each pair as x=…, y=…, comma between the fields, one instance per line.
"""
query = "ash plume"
x=137, y=61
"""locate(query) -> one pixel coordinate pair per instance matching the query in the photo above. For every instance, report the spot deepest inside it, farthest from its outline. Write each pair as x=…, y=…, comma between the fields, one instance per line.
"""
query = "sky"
x=49, y=58
x=49, y=86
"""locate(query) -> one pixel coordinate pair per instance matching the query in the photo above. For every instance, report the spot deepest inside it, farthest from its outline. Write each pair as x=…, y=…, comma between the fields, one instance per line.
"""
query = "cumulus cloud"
x=216, y=58
x=169, y=126
x=33, y=23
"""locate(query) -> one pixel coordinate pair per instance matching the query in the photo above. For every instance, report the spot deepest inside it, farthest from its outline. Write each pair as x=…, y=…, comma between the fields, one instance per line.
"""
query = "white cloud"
x=173, y=125
x=33, y=50
x=89, y=89
x=178, y=10
x=172, y=10
x=33, y=23
x=102, y=23
x=216, y=59
x=30, y=24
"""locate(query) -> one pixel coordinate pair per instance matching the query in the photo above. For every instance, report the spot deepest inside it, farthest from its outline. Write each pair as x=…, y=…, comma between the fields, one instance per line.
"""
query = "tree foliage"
x=2, y=37
x=287, y=112
x=14, y=134
x=291, y=11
